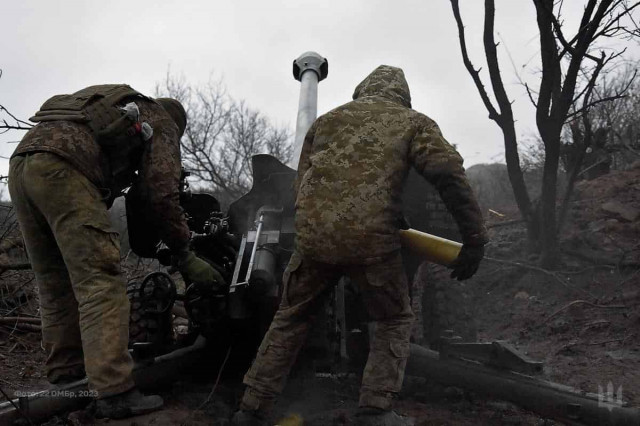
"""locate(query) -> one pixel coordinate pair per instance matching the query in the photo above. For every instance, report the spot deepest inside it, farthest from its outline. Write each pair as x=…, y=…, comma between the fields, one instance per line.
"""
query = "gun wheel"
x=150, y=318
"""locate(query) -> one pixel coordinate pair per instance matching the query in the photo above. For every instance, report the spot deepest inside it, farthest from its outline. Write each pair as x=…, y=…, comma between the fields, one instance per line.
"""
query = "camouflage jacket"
x=158, y=171
x=353, y=166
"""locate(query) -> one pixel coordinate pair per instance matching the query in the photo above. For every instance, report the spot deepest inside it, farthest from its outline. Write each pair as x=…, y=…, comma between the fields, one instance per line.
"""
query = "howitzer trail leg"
x=305, y=285
x=385, y=293
x=77, y=218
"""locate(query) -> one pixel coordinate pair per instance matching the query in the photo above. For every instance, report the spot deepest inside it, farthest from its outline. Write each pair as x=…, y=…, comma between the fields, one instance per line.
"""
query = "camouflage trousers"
x=75, y=255
x=384, y=290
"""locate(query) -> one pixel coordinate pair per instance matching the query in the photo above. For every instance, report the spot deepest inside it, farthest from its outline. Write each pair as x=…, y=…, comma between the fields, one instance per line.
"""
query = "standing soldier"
x=63, y=176
x=353, y=166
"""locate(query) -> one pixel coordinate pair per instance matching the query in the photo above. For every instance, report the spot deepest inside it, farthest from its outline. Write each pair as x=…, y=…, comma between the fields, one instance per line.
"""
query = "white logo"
x=610, y=399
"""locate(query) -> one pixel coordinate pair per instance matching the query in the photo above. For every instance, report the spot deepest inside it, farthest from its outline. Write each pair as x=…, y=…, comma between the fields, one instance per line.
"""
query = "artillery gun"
x=250, y=246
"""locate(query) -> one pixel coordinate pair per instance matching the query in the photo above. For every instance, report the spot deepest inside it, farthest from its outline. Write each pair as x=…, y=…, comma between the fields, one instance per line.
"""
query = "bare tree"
x=571, y=68
x=620, y=119
x=9, y=122
x=13, y=123
x=591, y=137
x=222, y=135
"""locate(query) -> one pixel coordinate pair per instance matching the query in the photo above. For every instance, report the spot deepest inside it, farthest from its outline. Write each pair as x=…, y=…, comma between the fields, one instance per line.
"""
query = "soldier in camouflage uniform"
x=63, y=175
x=352, y=169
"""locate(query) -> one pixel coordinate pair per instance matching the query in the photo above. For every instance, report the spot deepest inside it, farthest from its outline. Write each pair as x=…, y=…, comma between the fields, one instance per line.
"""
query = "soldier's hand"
x=198, y=271
x=467, y=262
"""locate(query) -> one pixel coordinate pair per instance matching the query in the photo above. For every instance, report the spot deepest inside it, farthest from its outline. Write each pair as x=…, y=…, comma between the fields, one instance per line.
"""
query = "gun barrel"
x=310, y=68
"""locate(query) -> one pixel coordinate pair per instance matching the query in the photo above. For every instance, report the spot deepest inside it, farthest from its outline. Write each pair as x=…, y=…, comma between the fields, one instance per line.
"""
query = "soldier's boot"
x=369, y=416
x=64, y=379
x=247, y=418
x=127, y=404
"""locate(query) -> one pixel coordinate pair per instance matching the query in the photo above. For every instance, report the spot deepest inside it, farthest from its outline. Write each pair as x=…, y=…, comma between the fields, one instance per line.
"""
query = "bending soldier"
x=86, y=148
x=351, y=174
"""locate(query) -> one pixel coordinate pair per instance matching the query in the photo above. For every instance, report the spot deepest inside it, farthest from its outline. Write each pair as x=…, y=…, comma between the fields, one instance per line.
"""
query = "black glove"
x=467, y=262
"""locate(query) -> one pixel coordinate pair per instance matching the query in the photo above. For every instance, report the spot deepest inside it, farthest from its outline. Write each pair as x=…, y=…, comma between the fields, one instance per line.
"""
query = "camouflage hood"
x=387, y=82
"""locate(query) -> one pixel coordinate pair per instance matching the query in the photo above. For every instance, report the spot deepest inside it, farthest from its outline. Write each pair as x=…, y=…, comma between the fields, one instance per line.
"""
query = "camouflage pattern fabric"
x=75, y=255
x=353, y=166
x=159, y=178
x=384, y=291
x=71, y=141
x=158, y=169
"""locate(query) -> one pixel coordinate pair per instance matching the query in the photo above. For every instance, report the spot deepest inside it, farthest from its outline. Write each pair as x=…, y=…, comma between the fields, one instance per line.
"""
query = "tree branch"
x=475, y=74
x=552, y=274
x=609, y=30
x=573, y=115
x=557, y=26
x=584, y=41
x=504, y=119
x=20, y=124
x=506, y=114
x=551, y=72
x=590, y=87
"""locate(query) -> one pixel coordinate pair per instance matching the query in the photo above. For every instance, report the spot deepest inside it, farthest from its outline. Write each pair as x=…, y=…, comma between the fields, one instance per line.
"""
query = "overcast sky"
x=49, y=47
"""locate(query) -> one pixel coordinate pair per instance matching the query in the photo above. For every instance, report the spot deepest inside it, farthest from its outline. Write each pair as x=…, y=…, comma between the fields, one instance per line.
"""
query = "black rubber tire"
x=147, y=326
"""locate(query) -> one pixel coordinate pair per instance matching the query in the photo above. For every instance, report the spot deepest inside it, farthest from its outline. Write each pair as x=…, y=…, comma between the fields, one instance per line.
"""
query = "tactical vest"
x=117, y=133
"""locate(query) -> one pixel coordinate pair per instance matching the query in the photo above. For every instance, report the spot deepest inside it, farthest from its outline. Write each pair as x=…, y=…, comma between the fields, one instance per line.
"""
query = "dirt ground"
x=320, y=401
x=582, y=319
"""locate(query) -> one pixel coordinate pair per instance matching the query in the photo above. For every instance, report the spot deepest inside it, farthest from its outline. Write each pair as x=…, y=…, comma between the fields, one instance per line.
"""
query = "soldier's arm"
x=440, y=164
x=159, y=180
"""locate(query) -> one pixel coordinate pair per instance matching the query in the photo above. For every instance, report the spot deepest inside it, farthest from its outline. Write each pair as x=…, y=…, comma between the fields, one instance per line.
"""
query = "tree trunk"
x=548, y=227
x=516, y=178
